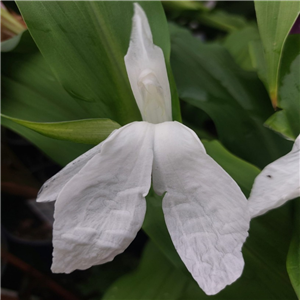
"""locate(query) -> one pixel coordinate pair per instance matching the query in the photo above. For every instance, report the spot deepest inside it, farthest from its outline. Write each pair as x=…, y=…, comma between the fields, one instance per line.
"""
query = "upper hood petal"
x=277, y=183
x=146, y=69
x=205, y=211
x=52, y=187
x=100, y=210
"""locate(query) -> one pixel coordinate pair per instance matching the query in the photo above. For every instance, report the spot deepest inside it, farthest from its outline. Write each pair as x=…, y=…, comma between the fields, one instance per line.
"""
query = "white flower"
x=277, y=183
x=100, y=196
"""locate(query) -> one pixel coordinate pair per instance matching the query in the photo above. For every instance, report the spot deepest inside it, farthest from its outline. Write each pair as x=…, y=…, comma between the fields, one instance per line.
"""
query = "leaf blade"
x=275, y=19
x=287, y=121
x=85, y=43
x=29, y=91
x=154, y=279
x=293, y=258
x=208, y=78
x=87, y=131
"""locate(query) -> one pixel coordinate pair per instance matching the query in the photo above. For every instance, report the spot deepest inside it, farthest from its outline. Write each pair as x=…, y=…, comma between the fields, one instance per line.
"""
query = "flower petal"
x=52, y=187
x=205, y=211
x=296, y=145
x=277, y=183
x=146, y=69
x=100, y=210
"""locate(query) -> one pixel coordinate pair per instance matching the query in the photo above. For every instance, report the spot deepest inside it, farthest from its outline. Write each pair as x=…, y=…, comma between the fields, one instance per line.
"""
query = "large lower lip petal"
x=205, y=211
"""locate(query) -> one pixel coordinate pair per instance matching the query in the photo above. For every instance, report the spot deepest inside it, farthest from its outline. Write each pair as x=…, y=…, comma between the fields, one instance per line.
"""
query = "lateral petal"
x=100, y=210
x=205, y=211
x=52, y=187
x=277, y=183
x=146, y=69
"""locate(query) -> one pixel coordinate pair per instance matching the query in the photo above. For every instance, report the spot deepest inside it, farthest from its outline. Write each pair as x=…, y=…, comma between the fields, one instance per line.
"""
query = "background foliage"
x=65, y=88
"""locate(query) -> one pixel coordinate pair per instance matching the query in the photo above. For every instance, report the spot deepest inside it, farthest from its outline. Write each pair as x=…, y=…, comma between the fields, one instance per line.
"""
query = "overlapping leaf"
x=86, y=131
x=237, y=43
x=275, y=20
x=33, y=94
x=287, y=120
x=30, y=92
x=207, y=77
x=177, y=7
x=293, y=259
x=245, y=47
x=222, y=20
x=155, y=279
x=85, y=43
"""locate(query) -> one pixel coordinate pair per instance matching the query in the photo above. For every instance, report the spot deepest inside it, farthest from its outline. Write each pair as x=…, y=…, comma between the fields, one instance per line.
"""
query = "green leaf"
x=246, y=48
x=85, y=43
x=238, y=42
x=293, y=259
x=208, y=78
x=287, y=120
x=155, y=227
x=153, y=280
x=233, y=165
x=88, y=131
x=30, y=92
x=180, y=6
x=62, y=152
x=258, y=60
x=223, y=20
x=275, y=20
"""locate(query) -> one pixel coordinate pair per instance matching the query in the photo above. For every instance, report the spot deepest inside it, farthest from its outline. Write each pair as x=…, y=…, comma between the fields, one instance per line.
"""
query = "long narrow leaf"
x=208, y=78
x=85, y=43
x=88, y=131
x=275, y=20
x=293, y=259
x=30, y=92
x=155, y=279
x=287, y=120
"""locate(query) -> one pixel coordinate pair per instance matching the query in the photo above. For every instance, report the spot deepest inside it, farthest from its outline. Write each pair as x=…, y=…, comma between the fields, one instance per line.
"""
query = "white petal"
x=296, y=145
x=277, y=183
x=52, y=187
x=205, y=211
x=100, y=210
x=146, y=69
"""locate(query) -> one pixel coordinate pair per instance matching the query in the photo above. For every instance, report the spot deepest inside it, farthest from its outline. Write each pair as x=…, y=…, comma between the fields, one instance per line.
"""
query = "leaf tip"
x=273, y=95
